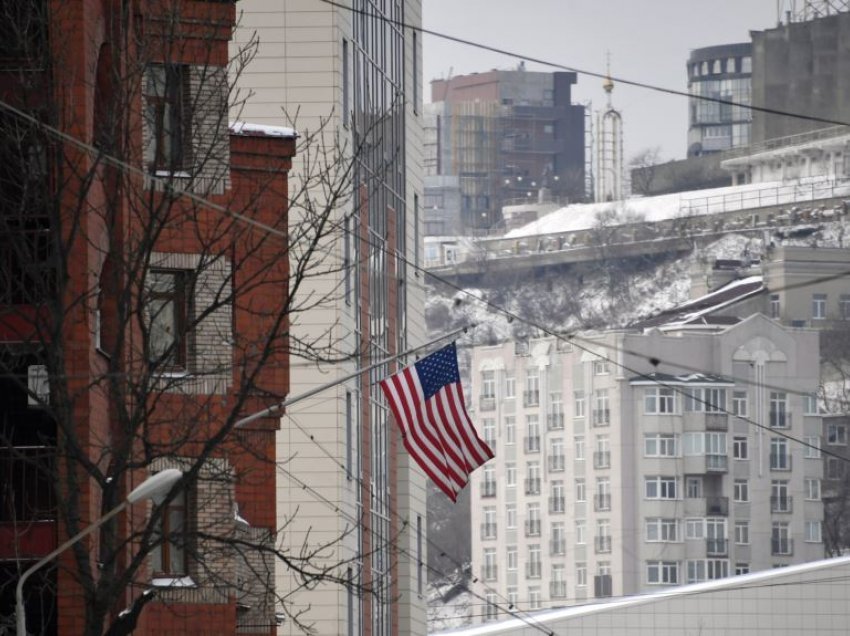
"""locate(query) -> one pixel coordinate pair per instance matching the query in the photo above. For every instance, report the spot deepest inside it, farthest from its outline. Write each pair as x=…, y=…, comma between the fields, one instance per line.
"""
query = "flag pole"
x=315, y=390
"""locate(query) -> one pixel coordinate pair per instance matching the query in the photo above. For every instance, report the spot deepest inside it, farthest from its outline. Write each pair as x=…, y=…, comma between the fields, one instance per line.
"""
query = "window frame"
x=172, y=103
x=161, y=556
x=178, y=358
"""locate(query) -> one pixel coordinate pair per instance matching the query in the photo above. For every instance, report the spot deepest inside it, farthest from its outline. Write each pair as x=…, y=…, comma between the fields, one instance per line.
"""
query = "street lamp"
x=155, y=487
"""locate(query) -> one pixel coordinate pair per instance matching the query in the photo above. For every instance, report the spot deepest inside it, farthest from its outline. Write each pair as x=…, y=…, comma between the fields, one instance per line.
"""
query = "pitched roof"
x=698, y=311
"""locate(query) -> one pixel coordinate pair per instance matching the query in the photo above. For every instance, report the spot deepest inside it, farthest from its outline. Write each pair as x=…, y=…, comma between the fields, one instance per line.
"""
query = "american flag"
x=426, y=399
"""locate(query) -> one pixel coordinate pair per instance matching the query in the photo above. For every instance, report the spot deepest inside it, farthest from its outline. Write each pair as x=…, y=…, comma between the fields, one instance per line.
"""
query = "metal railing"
x=781, y=504
x=557, y=504
x=601, y=417
x=487, y=403
x=488, y=530
x=602, y=544
x=555, y=421
x=532, y=527
x=716, y=547
x=532, y=486
x=531, y=398
x=488, y=488
x=602, y=459
x=557, y=463
x=782, y=547
x=532, y=444
x=717, y=506
x=602, y=502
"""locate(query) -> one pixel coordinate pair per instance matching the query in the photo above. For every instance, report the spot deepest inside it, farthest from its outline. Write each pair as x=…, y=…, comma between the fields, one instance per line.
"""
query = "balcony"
x=556, y=463
x=716, y=422
x=488, y=530
x=532, y=486
x=602, y=585
x=716, y=547
x=602, y=502
x=487, y=403
x=716, y=463
x=531, y=398
x=780, y=461
x=557, y=589
x=601, y=417
x=555, y=421
x=533, y=569
x=602, y=459
x=489, y=572
x=717, y=506
x=532, y=527
x=557, y=546
x=488, y=489
x=781, y=504
x=602, y=544
x=532, y=444
x=780, y=419
x=557, y=504
x=782, y=547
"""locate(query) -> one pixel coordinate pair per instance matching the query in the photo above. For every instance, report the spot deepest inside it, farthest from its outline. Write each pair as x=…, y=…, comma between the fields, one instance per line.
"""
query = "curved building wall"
x=721, y=72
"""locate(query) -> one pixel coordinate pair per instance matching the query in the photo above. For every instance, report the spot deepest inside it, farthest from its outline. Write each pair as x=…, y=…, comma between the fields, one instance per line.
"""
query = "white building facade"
x=349, y=81
x=620, y=469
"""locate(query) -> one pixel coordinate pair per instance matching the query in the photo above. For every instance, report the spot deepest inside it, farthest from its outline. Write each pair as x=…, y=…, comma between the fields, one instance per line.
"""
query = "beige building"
x=349, y=83
x=640, y=460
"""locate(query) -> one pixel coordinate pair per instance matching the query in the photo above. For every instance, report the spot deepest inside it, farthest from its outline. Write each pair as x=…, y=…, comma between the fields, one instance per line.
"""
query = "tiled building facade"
x=615, y=476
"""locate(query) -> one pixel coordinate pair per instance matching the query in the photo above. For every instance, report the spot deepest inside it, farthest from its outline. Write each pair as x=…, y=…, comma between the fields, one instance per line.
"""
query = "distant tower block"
x=609, y=149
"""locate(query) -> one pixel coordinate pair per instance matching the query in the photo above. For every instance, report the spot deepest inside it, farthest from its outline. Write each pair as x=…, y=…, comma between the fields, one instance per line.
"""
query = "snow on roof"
x=698, y=309
x=731, y=583
x=688, y=378
x=247, y=128
x=583, y=216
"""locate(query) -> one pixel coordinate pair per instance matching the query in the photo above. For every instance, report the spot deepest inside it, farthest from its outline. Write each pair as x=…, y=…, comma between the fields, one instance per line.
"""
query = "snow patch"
x=247, y=128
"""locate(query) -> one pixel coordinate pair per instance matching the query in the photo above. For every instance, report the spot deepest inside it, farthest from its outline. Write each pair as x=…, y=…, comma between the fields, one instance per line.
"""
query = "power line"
x=573, y=69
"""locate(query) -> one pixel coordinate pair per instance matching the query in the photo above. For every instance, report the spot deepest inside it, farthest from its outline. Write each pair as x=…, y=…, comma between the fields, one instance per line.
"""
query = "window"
x=581, y=574
x=510, y=516
x=513, y=558
x=579, y=446
x=488, y=384
x=812, y=489
x=662, y=530
x=532, y=481
x=601, y=412
x=660, y=487
x=811, y=450
x=780, y=458
x=742, y=532
x=491, y=607
x=532, y=520
x=534, y=567
x=657, y=445
x=578, y=404
x=168, y=556
x=510, y=474
x=740, y=405
x=167, y=116
x=532, y=387
x=415, y=73
x=603, y=493
x=510, y=385
x=488, y=431
x=513, y=596
x=810, y=404
x=662, y=572
x=602, y=454
x=510, y=430
x=168, y=312
x=742, y=568
x=774, y=306
x=780, y=539
x=740, y=448
x=844, y=306
x=581, y=493
x=705, y=400
x=581, y=528
x=693, y=487
x=780, y=501
x=741, y=491
x=488, y=526
x=818, y=306
x=659, y=401
x=779, y=416
x=532, y=438
x=813, y=532
x=489, y=571
x=836, y=434
x=834, y=468
x=694, y=528
x=601, y=367
x=534, y=598
x=346, y=85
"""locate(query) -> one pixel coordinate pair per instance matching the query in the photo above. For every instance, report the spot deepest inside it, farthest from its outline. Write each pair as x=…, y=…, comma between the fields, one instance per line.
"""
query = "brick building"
x=143, y=313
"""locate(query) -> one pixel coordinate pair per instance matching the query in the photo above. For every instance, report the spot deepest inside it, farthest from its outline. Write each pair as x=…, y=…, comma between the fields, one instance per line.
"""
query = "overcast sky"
x=649, y=41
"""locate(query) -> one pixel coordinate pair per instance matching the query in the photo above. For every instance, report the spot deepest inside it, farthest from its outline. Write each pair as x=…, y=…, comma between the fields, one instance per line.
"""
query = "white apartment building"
x=644, y=459
x=349, y=81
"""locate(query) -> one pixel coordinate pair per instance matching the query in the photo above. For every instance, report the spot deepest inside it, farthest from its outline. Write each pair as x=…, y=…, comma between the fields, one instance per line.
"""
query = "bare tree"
x=642, y=168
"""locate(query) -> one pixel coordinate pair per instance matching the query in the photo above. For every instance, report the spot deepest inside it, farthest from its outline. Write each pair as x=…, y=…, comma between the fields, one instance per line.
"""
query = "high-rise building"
x=720, y=72
x=617, y=471
x=348, y=80
x=506, y=136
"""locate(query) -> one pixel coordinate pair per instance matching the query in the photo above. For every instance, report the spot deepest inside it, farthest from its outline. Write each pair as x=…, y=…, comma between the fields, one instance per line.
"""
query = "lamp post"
x=155, y=487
